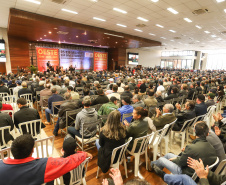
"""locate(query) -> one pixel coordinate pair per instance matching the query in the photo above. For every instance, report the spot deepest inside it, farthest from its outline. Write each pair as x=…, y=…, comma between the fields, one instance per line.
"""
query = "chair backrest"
x=32, y=127
x=199, y=118
x=71, y=115
x=5, y=153
x=3, y=94
x=43, y=147
x=11, y=90
x=121, y=155
x=9, y=99
x=186, y=124
x=27, y=96
x=96, y=107
x=76, y=174
x=170, y=126
x=90, y=129
x=124, y=116
x=56, y=106
x=211, y=110
x=143, y=144
x=37, y=95
x=3, y=130
x=44, y=101
x=221, y=167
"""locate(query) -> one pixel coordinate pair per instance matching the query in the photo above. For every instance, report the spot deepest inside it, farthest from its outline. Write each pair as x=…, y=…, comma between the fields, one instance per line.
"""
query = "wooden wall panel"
x=2, y=67
x=19, y=53
x=116, y=57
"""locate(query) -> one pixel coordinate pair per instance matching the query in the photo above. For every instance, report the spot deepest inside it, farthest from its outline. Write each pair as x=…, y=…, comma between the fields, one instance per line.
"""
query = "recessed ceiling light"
x=154, y=1
x=77, y=36
x=162, y=37
x=172, y=10
x=197, y=26
x=159, y=25
x=37, y=40
x=70, y=11
x=94, y=0
x=99, y=19
x=50, y=32
x=59, y=42
x=44, y=35
x=172, y=40
x=40, y=38
x=142, y=19
x=219, y=1
x=113, y=35
x=172, y=31
x=207, y=32
x=119, y=10
x=219, y=39
x=33, y=1
x=55, y=28
x=121, y=25
x=187, y=19
x=224, y=10
x=116, y=42
x=213, y=36
x=152, y=34
x=138, y=30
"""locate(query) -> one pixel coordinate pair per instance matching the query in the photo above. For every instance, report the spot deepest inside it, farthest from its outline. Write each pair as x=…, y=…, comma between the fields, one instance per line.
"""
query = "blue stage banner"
x=80, y=60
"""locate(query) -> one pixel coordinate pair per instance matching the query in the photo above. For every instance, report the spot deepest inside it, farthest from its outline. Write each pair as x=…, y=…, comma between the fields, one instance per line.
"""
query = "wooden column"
x=116, y=57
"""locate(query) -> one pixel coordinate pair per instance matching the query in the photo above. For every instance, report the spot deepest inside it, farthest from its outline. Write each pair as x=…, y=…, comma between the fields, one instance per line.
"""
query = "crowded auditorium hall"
x=113, y=92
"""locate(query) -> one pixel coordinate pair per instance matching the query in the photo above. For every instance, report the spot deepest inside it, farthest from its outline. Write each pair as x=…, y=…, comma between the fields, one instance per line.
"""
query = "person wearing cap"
x=23, y=169
x=210, y=100
x=88, y=117
x=200, y=106
x=126, y=108
x=106, y=108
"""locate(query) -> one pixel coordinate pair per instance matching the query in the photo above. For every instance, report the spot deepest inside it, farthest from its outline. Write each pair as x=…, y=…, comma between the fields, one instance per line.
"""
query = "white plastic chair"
x=166, y=137
x=156, y=139
x=5, y=153
x=44, y=104
x=28, y=97
x=3, y=94
x=183, y=132
x=31, y=128
x=2, y=131
x=221, y=167
x=76, y=175
x=209, y=115
x=55, y=105
x=44, y=147
x=143, y=141
x=194, y=176
x=91, y=131
x=121, y=157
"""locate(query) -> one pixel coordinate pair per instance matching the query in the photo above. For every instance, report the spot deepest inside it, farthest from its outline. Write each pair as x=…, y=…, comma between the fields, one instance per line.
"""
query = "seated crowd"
x=130, y=104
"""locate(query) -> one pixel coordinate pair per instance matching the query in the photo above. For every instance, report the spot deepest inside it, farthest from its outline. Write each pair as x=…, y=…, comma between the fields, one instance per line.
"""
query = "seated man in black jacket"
x=186, y=114
x=173, y=94
x=101, y=99
x=200, y=107
x=191, y=91
x=68, y=105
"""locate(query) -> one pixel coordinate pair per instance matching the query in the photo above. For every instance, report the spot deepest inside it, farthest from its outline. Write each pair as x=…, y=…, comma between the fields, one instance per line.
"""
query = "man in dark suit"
x=25, y=113
x=200, y=107
x=191, y=91
x=184, y=115
x=54, y=98
x=24, y=89
x=3, y=89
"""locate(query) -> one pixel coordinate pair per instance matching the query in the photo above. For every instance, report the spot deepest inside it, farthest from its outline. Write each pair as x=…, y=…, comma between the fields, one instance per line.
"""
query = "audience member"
x=127, y=92
x=200, y=106
x=114, y=93
x=151, y=101
x=106, y=108
x=210, y=100
x=74, y=95
x=101, y=99
x=126, y=108
x=137, y=101
x=24, y=90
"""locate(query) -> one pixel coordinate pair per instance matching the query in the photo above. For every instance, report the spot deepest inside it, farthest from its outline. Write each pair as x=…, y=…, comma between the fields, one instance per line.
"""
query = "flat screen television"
x=133, y=58
x=2, y=51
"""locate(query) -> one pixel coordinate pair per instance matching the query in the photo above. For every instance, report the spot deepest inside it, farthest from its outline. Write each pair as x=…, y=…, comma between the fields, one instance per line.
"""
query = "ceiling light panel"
x=219, y=1
x=172, y=31
x=33, y=1
x=197, y=26
x=69, y=11
x=99, y=19
x=121, y=25
x=142, y=19
x=207, y=32
x=119, y=10
x=159, y=25
x=172, y=10
x=152, y=34
x=187, y=19
x=138, y=30
x=155, y=1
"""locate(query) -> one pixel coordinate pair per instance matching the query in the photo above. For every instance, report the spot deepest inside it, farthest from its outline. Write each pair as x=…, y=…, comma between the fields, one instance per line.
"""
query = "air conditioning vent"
x=200, y=11
x=140, y=25
x=62, y=32
x=59, y=1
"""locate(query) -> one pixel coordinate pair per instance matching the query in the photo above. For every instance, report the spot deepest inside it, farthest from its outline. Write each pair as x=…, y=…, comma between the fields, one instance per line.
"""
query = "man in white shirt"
x=114, y=93
x=160, y=87
x=17, y=88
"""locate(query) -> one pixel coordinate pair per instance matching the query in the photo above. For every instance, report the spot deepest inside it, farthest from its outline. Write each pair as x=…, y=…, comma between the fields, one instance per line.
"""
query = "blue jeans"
x=57, y=126
x=178, y=180
x=97, y=144
x=164, y=162
x=73, y=132
x=48, y=112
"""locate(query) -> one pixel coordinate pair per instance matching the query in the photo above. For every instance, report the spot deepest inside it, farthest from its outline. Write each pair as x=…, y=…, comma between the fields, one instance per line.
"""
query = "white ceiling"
x=156, y=13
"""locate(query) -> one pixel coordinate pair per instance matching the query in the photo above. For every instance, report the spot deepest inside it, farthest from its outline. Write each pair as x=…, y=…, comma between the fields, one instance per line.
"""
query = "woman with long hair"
x=112, y=135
